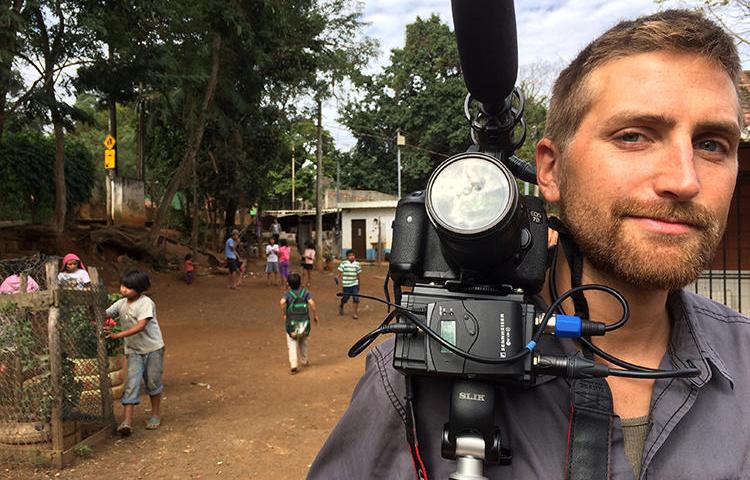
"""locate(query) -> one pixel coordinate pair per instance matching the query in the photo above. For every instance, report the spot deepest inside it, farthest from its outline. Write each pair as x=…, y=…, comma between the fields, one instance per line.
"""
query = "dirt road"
x=231, y=409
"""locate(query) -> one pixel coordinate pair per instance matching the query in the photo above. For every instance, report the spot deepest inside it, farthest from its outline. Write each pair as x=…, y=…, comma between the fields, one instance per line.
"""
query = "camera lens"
x=470, y=194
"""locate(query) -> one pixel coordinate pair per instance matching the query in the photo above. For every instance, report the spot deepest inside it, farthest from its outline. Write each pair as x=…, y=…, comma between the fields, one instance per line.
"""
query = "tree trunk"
x=319, y=192
x=59, y=173
x=194, y=144
x=194, y=232
x=229, y=215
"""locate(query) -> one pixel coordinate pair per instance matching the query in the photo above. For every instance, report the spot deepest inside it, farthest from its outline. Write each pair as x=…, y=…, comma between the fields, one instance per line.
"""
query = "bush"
x=27, y=168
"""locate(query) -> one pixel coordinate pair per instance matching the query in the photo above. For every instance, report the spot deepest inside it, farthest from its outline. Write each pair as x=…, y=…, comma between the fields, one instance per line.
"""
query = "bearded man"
x=640, y=155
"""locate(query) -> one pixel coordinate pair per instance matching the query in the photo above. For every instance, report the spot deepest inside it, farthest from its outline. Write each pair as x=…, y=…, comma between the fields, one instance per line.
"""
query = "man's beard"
x=644, y=261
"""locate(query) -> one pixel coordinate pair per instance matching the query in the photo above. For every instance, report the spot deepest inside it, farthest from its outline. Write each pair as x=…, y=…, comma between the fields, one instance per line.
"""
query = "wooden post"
x=55, y=366
x=24, y=282
x=101, y=347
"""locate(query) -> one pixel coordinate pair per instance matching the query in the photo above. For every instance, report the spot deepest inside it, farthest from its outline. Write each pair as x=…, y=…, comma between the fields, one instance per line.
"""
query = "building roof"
x=298, y=213
x=370, y=204
x=355, y=196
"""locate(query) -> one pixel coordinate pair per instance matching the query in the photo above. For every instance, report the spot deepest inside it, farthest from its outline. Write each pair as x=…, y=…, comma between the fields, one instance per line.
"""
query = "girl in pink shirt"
x=284, y=254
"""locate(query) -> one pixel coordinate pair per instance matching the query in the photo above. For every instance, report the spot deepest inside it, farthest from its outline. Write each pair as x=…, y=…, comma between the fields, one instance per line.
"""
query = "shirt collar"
x=690, y=342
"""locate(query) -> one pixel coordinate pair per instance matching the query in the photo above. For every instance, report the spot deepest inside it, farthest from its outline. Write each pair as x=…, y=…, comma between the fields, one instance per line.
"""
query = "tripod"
x=470, y=437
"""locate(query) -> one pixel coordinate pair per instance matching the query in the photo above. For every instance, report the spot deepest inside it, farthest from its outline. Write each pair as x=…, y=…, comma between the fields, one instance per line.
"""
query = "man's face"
x=646, y=183
x=350, y=257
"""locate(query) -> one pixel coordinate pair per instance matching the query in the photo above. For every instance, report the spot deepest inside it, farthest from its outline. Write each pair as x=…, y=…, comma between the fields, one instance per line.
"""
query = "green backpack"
x=297, y=315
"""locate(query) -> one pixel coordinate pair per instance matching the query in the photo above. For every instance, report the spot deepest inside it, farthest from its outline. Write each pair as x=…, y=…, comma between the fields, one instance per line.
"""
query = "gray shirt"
x=700, y=427
x=129, y=313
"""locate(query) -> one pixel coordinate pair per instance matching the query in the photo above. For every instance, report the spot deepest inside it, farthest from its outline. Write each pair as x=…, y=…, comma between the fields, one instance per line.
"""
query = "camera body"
x=418, y=255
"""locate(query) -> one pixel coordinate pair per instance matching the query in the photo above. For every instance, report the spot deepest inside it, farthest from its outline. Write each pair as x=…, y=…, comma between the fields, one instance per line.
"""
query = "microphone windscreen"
x=486, y=38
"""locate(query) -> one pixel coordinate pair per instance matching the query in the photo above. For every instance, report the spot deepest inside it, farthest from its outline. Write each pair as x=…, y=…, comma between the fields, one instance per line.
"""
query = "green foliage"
x=421, y=93
x=26, y=161
x=91, y=130
x=155, y=58
x=82, y=450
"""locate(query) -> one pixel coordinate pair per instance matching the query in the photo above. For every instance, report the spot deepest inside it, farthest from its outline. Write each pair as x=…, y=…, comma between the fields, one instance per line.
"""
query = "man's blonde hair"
x=679, y=31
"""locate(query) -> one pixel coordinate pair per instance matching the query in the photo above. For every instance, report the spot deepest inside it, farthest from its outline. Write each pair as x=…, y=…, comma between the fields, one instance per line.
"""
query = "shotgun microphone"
x=486, y=38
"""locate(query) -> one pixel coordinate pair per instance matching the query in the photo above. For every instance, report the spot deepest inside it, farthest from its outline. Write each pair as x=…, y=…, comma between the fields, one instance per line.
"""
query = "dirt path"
x=231, y=409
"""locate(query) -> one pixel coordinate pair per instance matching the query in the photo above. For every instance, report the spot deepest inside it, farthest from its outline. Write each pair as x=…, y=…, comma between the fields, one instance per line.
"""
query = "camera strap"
x=410, y=422
x=591, y=412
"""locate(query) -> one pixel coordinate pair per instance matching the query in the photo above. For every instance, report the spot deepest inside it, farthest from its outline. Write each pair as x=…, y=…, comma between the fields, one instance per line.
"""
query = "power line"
x=389, y=139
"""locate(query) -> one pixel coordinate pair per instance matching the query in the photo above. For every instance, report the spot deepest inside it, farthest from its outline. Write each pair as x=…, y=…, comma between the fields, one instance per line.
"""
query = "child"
x=272, y=261
x=73, y=273
x=349, y=271
x=189, y=269
x=308, y=260
x=230, y=252
x=294, y=312
x=144, y=347
x=284, y=254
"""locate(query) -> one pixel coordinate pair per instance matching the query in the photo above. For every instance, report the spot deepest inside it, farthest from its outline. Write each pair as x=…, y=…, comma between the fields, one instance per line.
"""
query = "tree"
x=11, y=22
x=52, y=41
x=421, y=93
x=341, y=57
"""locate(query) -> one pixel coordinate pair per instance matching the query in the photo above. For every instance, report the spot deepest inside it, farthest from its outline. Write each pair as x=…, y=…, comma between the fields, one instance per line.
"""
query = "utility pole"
x=400, y=140
x=319, y=193
x=293, y=202
x=338, y=209
x=141, y=133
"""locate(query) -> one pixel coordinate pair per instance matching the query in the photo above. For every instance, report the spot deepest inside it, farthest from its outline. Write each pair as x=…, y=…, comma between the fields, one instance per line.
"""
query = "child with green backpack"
x=296, y=305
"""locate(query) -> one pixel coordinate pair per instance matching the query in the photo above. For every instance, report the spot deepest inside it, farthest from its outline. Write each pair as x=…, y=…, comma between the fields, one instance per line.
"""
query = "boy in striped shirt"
x=349, y=271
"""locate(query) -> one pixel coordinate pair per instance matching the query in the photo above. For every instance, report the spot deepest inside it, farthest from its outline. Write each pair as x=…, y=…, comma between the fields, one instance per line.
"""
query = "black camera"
x=470, y=229
x=467, y=244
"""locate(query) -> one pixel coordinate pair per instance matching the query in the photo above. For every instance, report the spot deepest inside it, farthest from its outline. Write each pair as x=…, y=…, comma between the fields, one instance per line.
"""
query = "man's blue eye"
x=709, y=145
x=630, y=137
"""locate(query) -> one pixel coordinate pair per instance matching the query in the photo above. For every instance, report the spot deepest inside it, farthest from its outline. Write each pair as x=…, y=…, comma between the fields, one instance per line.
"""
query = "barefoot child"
x=144, y=347
x=294, y=312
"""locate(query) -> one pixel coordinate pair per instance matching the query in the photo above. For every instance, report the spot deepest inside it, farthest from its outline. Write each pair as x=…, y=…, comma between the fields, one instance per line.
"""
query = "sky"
x=550, y=31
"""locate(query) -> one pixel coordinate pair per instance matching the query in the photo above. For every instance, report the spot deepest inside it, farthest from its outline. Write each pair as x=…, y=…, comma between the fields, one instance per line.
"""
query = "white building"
x=366, y=226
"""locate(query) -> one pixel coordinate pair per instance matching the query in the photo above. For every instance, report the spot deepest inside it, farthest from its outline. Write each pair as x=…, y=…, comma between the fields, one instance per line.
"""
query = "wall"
x=127, y=206
x=384, y=215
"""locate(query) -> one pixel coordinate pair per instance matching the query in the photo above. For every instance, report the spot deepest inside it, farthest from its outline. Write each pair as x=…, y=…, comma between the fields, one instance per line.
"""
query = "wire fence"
x=58, y=375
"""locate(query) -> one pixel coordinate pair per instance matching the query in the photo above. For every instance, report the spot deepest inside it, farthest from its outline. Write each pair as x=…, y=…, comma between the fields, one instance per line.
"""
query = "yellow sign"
x=109, y=142
x=400, y=139
x=109, y=159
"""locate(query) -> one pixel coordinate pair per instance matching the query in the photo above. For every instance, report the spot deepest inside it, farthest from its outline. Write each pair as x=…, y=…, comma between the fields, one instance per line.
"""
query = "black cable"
x=682, y=373
x=385, y=289
x=365, y=341
x=636, y=371
x=436, y=336
x=557, y=303
x=461, y=353
x=614, y=360
x=553, y=294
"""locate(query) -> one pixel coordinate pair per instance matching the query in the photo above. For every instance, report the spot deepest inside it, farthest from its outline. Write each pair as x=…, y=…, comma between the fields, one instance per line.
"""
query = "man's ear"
x=548, y=165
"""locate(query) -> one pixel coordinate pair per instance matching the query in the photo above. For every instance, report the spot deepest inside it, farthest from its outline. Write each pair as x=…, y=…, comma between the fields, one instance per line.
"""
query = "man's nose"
x=677, y=178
